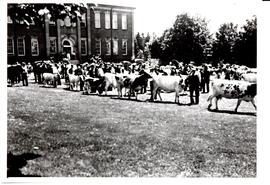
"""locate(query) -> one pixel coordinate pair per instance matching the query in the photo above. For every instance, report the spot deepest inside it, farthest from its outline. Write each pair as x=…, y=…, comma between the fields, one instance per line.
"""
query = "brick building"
x=104, y=30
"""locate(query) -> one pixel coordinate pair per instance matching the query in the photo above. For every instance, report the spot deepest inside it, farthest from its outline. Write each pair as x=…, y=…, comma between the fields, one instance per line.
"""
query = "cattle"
x=74, y=82
x=51, y=78
x=114, y=81
x=14, y=73
x=91, y=85
x=232, y=89
x=249, y=77
x=167, y=84
x=137, y=82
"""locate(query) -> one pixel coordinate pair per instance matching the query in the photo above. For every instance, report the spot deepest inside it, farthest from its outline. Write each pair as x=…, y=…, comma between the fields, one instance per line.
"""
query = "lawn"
x=59, y=133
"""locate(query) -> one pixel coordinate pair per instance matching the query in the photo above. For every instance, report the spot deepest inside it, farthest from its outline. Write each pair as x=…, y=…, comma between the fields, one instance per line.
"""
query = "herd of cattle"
x=228, y=81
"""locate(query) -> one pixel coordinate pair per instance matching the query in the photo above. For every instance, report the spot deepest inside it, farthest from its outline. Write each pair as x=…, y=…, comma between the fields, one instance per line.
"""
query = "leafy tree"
x=186, y=41
x=223, y=46
x=246, y=45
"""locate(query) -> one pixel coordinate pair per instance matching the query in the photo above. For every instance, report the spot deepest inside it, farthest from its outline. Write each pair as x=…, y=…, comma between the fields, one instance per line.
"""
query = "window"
x=107, y=20
x=115, y=46
x=97, y=19
x=83, y=46
x=83, y=22
x=53, y=45
x=114, y=20
x=124, y=21
x=124, y=46
x=98, y=47
x=34, y=47
x=21, y=46
x=10, y=46
x=108, y=46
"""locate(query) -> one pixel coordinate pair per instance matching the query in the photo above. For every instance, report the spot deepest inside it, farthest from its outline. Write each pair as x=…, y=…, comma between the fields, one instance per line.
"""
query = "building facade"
x=104, y=30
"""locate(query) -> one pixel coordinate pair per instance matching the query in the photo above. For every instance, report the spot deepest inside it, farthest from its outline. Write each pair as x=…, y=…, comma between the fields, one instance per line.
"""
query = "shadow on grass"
x=169, y=102
x=232, y=112
x=16, y=162
x=127, y=99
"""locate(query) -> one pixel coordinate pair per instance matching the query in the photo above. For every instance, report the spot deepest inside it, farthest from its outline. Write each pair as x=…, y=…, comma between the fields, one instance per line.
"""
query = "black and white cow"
x=233, y=89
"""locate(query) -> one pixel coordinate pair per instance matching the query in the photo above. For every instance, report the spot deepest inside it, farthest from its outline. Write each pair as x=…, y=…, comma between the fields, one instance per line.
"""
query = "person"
x=24, y=74
x=205, y=79
x=79, y=72
x=194, y=84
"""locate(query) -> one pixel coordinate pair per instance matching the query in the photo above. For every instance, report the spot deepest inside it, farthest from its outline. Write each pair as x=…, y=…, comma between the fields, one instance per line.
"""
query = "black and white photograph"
x=134, y=89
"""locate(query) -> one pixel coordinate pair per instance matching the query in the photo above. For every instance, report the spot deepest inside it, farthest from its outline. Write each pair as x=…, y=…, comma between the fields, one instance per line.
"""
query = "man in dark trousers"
x=24, y=75
x=205, y=79
x=79, y=72
x=194, y=86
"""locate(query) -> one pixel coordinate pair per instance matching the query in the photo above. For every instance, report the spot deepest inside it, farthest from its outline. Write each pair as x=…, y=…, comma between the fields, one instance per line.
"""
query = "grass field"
x=59, y=133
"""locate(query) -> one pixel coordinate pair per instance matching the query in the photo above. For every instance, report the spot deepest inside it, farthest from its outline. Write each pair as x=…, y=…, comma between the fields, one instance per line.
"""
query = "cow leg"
x=154, y=93
x=158, y=92
x=217, y=103
x=210, y=98
x=177, y=97
x=238, y=103
x=253, y=103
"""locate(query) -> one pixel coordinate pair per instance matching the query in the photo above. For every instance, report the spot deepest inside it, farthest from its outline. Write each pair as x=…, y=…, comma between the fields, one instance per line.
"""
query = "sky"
x=156, y=16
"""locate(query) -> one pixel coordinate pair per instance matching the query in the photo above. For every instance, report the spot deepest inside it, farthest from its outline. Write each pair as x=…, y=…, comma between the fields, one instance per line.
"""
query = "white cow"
x=50, y=77
x=74, y=82
x=167, y=84
x=114, y=81
x=232, y=89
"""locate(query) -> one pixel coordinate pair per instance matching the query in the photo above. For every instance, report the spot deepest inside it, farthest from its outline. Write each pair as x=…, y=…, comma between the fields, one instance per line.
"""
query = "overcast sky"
x=156, y=15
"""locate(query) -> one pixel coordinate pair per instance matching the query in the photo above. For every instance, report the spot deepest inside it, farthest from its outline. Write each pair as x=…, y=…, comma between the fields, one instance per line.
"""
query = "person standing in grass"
x=194, y=86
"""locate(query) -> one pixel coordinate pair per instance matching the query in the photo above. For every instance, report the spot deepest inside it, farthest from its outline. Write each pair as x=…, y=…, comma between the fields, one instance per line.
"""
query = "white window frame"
x=108, y=46
x=54, y=40
x=18, y=47
x=114, y=20
x=83, y=40
x=115, y=46
x=107, y=20
x=124, y=21
x=124, y=48
x=12, y=42
x=97, y=19
x=98, y=42
x=33, y=39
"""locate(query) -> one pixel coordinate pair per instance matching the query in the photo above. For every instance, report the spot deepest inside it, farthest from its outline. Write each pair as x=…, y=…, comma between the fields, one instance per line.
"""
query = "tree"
x=224, y=44
x=186, y=41
x=246, y=45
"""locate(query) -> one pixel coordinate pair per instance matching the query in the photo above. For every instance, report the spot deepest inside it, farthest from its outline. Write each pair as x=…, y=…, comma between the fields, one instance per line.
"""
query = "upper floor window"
x=21, y=46
x=97, y=19
x=10, y=46
x=124, y=21
x=83, y=46
x=107, y=20
x=34, y=47
x=83, y=22
x=115, y=26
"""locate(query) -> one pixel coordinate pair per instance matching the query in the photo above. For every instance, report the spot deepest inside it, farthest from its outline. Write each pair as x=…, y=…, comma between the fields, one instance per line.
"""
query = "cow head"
x=252, y=90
